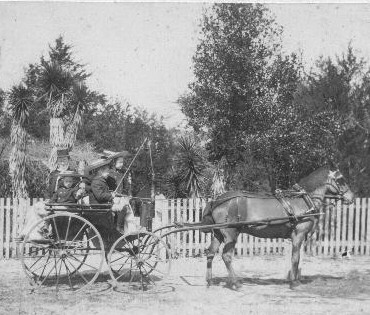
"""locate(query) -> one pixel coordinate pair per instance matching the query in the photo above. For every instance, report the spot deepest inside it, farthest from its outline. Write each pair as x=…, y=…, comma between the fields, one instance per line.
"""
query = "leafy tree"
x=5, y=119
x=242, y=85
x=338, y=90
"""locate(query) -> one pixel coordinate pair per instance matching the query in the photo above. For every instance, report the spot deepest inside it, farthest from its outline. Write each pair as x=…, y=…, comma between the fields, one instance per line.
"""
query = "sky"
x=142, y=52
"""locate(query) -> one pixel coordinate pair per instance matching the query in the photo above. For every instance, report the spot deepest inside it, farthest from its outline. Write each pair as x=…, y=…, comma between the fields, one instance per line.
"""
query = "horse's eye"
x=340, y=180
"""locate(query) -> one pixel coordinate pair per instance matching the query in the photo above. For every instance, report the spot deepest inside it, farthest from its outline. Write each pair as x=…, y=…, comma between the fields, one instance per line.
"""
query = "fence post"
x=368, y=229
x=338, y=228
x=2, y=231
x=351, y=216
x=357, y=226
x=363, y=226
x=7, y=228
x=197, y=232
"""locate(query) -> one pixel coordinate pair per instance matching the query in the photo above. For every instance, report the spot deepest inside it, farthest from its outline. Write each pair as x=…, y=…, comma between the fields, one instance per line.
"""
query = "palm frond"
x=20, y=99
x=80, y=96
x=190, y=164
x=55, y=83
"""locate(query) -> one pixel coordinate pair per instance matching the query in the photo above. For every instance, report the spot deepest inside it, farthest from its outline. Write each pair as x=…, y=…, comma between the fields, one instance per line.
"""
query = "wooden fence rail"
x=341, y=228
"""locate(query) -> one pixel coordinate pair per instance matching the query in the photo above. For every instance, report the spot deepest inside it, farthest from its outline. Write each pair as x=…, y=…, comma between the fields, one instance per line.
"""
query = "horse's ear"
x=332, y=165
x=332, y=174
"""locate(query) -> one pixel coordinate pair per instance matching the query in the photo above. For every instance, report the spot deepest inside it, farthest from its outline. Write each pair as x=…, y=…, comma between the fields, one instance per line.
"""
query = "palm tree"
x=78, y=103
x=66, y=99
x=20, y=99
x=190, y=164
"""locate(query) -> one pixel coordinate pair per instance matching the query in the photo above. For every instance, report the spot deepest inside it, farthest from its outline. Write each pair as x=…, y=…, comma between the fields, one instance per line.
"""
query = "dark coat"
x=51, y=189
x=100, y=191
x=65, y=195
x=114, y=179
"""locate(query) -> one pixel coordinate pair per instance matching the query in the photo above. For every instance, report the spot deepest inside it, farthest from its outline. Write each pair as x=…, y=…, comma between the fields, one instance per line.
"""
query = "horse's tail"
x=207, y=218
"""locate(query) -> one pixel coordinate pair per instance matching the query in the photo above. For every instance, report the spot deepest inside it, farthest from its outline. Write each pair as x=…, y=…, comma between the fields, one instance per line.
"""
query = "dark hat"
x=62, y=153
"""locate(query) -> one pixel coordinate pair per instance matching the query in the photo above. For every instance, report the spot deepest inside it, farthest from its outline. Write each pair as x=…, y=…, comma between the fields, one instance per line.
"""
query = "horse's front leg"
x=212, y=250
x=297, y=240
x=227, y=256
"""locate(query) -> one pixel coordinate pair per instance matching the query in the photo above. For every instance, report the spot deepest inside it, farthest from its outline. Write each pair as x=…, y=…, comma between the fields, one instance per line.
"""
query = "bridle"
x=338, y=188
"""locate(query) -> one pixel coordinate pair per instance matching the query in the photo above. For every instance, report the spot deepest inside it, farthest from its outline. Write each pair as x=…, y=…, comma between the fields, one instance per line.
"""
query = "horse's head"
x=338, y=188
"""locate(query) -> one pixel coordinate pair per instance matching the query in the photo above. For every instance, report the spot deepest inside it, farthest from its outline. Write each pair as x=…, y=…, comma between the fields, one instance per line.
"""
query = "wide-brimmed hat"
x=63, y=153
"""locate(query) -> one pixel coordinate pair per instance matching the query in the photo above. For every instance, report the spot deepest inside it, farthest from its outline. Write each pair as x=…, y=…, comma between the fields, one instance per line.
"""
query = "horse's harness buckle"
x=286, y=206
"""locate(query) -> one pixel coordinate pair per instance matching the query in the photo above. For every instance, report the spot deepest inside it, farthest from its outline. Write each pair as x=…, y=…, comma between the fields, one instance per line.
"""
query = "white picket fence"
x=342, y=228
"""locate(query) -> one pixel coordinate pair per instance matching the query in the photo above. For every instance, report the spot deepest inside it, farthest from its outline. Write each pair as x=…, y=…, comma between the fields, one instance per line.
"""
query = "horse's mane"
x=316, y=179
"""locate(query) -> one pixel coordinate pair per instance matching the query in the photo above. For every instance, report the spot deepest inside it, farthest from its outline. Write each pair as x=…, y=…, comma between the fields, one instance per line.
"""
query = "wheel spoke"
x=82, y=262
x=82, y=227
x=56, y=230
x=58, y=275
x=69, y=223
x=121, y=257
x=125, y=273
x=47, y=276
x=68, y=273
x=147, y=275
x=153, y=268
x=88, y=240
x=46, y=263
x=37, y=261
x=77, y=271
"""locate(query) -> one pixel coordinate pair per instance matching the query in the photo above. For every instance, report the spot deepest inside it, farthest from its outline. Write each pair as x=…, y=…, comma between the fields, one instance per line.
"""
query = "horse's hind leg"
x=212, y=249
x=231, y=236
x=297, y=240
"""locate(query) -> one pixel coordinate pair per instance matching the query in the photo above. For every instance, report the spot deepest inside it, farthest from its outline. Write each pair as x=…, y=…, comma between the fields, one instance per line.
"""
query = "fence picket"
x=363, y=226
x=7, y=228
x=172, y=237
x=351, y=216
x=357, y=226
x=338, y=226
x=197, y=232
x=332, y=218
x=344, y=241
x=368, y=229
x=14, y=227
x=341, y=228
x=325, y=243
x=2, y=230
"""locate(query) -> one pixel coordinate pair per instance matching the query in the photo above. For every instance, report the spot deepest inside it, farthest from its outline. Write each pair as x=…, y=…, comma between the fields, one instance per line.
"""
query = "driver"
x=102, y=194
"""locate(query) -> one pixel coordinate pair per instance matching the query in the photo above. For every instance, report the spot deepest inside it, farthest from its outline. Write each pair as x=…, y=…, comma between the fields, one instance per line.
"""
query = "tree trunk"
x=17, y=161
x=56, y=140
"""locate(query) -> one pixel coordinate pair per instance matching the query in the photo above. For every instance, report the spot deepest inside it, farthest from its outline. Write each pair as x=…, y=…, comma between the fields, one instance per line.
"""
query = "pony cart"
x=81, y=242
x=83, y=237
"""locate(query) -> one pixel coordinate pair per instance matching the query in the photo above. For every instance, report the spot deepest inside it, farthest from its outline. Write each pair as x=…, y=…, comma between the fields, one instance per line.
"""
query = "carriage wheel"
x=67, y=258
x=139, y=259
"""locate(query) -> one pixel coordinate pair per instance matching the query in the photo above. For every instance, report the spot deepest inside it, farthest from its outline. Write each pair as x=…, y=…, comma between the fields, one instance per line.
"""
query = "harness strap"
x=286, y=205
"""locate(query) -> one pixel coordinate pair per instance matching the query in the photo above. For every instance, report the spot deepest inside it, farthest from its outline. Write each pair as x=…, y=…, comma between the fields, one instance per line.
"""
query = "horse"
x=299, y=216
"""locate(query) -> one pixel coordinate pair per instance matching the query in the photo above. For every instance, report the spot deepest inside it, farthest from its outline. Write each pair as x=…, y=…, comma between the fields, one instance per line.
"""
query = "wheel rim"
x=140, y=260
x=68, y=260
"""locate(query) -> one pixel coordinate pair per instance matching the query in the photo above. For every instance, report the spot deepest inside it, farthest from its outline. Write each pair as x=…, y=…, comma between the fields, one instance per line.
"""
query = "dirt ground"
x=330, y=286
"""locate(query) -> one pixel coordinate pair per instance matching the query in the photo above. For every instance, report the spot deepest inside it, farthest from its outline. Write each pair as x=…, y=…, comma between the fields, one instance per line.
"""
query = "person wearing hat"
x=100, y=188
x=38, y=212
x=101, y=194
x=63, y=161
x=69, y=191
x=115, y=178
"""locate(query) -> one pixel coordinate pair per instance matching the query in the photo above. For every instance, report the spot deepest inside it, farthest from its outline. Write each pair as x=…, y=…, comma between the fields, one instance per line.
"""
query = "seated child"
x=69, y=192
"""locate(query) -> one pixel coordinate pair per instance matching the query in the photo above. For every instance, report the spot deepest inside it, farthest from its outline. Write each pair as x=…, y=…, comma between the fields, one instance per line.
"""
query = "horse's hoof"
x=294, y=284
x=234, y=286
